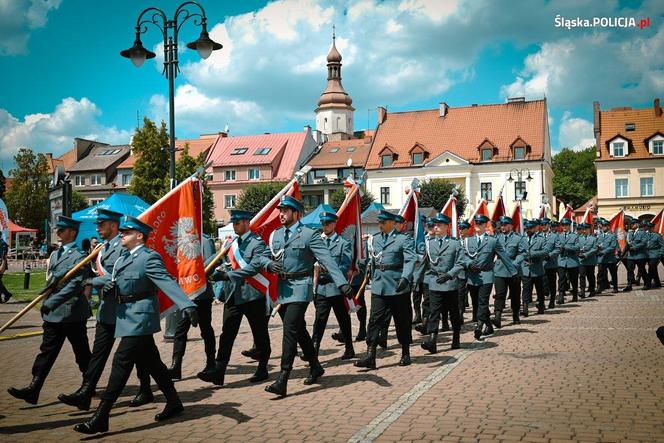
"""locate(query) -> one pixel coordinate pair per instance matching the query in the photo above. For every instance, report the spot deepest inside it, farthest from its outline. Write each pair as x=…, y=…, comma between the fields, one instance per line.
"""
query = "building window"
x=126, y=179
x=657, y=147
x=350, y=149
x=95, y=179
x=254, y=174
x=622, y=190
x=239, y=151
x=630, y=127
x=519, y=153
x=344, y=173
x=319, y=173
x=386, y=160
x=487, y=155
x=262, y=151
x=385, y=195
x=79, y=180
x=486, y=191
x=520, y=190
x=229, y=175
x=647, y=186
x=418, y=158
x=618, y=149
x=229, y=201
x=334, y=150
x=312, y=201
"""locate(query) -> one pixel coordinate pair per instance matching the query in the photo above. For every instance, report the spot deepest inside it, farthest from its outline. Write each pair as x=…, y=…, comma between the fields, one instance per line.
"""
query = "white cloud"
x=575, y=133
x=18, y=18
x=55, y=131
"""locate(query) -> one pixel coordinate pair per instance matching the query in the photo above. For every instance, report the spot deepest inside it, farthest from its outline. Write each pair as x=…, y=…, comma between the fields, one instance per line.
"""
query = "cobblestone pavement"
x=585, y=371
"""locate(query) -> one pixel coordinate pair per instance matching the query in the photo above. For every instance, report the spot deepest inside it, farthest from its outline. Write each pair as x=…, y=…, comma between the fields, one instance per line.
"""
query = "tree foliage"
x=338, y=196
x=186, y=166
x=27, y=199
x=434, y=193
x=254, y=197
x=575, y=177
x=78, y=201
x=150, y=177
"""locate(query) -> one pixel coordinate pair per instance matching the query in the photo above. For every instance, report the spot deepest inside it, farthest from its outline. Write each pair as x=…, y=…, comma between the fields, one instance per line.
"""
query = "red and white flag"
x=568, y=213
x=499, y=210
x=588, y=216
x=617, y=226
x=411, y=214
x=450, y=210
x=658, y=221
x=542, y=212
x=482, y=209
x=517, y=218
x=177, y=227
x=349, y=226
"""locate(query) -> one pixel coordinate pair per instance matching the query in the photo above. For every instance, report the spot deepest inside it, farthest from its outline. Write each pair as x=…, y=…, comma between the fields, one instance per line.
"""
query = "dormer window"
x=386, y=160
x=418, y=158
x=487, y=154
x=519, y=152
x=618, y=149
x=656, y=144
x=418, y=154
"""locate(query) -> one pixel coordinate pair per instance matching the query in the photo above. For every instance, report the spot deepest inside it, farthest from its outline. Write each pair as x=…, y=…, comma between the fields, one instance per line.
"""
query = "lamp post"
x=170, y=29
x=519, y=176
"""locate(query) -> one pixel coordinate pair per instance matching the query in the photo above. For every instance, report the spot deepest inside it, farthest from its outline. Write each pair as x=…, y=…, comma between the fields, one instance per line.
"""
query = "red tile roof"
x=196, y=146
x=462, y=131
x=335, y=154
x=286, y=146
x=612, y=123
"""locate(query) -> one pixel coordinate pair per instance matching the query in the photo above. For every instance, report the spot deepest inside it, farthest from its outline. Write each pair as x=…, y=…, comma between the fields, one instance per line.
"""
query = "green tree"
x=254, y=197
x=185, y=167
x=78, y=201
x=434, y=193
x=338, y=196
x=575, y=176
x=150, y=180
x=27, y=199
x=3, y=184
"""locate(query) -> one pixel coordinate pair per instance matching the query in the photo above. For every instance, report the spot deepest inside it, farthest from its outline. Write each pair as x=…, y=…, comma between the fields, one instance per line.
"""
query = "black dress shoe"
x=315, y=372
x=216, y=375
x=142, y=398
x=456, y=342
x=172, y=408
x=98, y=422
x=29, y=394
x=627, y=289
x=338, y=336
x=405, y=356
x=516, y=320
x=252, y=353
x=430, y=344
x=261, y=374
x=488, y=330
x=421, y=328
x=369, y=361
x=348, y=354
x=382, y=343
x=496, y=321
x=478, y=331
x=361, y=336
x=280, y=386
x=540, y=310
x=615, y=291
x=175, y=371
x=80, y=399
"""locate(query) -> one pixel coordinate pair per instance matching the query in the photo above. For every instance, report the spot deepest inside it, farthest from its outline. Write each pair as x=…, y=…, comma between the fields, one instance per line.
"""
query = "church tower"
x=334, y=114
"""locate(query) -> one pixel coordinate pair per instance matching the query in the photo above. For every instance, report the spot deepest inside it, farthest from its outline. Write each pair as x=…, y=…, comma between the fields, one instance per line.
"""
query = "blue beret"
x=481, y=219
x=505, y=220
x=386, y=215
x=129, y=222
x=464, y=225
x=239, y=214
x=107, y=215
x=67, y=223
x=290, y=202
x=566, y=221
x=328, y=216
x=441, y=218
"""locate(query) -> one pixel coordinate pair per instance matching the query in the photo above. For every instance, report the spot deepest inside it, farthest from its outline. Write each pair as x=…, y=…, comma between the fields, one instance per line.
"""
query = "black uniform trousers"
x=323, y=306
x=480, y=296
x=137, y=350
x=254, y=311
x=652, y=280
x=426, y=304
x=294, y=333
x=503, y=284
x=587, y=273
x=362, y=310
x=385, y=306
x=101, y=350
x=52, y=341
x=568, y=276
x=603, y=269
x=641, y=265
x=4, y=292
x=444, y=303
x=551, y=280
x=204, y=308
x=463, y=296
x=538, y=283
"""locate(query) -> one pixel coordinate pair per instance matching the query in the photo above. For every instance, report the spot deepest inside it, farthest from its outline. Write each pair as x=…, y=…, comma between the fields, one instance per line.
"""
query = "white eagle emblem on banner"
x=184, y=240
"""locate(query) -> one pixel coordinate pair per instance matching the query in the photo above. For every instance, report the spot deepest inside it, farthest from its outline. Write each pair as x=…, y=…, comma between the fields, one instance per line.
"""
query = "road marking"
x=21, y=335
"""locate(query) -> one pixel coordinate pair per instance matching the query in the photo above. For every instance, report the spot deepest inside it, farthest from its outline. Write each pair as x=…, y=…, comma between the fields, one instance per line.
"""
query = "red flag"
x=267, y=220
x=658, y=221
x=517, y=218
x=450, y=210
x=411, y=214
x=176, y=221
x=617, y=226
x=482, y=209
x=568, y=214
x=349, y=226
x=588, y=215
x=542, y=212
x=499, y=210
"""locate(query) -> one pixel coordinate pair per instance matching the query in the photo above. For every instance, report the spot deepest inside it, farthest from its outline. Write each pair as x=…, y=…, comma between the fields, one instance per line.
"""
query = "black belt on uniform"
x=396, y=267
x=293, y=275
x=132, y=297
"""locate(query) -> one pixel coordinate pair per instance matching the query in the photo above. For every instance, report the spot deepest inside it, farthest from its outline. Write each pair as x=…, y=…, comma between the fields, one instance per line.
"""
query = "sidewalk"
x=587, y=371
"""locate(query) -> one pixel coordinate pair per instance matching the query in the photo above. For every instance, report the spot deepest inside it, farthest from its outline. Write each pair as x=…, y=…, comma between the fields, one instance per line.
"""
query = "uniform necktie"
x=239, y=241
x=328, y=242
x=106, y=246
x=286, y=234
x=60, y=252
x=384, y=237
x=440, y=242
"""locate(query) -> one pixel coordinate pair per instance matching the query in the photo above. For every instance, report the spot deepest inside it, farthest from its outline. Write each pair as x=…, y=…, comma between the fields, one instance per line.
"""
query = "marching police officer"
x=242, y=300
x=637, y=239
x=532, y=265
x=135, y=278
x=328, y=295
x=392, y=256
x=65, y=312
x=420, y=292
x=589, y=247
x=295, y=248
x=481, y=250
x=552, y=247
x=515, y=246
x=568, y=262
x=107, y=226
x=443, y=260
x=653, y=246
x=607, y=258
x=203, y=303
x=464, y=232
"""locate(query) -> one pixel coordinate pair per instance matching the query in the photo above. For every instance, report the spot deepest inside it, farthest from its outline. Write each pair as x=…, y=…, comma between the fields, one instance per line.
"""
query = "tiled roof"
x=196, y=146
x=462, y=131
x=614, y=122
x=335, y=154
x=287, y=146
x=100, y=158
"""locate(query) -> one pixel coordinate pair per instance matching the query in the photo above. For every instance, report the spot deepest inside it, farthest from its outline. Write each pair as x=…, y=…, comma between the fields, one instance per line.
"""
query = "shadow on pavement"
x=48, y=425
x=333, y=381
x=504, y=332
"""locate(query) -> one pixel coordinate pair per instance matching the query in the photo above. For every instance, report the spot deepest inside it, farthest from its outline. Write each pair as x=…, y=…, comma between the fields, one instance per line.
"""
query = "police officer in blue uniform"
x=464, y=232
x=135, y=278
x=392, y=256
x=552, y=246
x=514, y=245
x=589, y=247
x=637, y=240
x=653, y=246
x=532, y=265
x=607, y=258
x=568, y=262
x=242, y=300
x=442, y=263
x=481, y=250
x=295, y=248
x=65, y=312
x=203, y=303
x=421, y=292
x=108, y=223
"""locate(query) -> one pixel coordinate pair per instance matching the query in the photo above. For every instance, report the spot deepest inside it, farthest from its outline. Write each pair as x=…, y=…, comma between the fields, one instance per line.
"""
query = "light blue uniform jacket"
x=442, y=256
x=482, y=254
x=107, y=305
x=342, y=253
x=569, y=250
x=68, y=303
x=534, y=256
x=398, y=251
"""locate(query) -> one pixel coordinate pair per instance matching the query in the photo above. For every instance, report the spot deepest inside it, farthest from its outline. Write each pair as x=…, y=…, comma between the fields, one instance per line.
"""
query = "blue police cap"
x=328, y=217
x=108, y=215
x=505, y=220
x=464, y=224
x=566, y=221
x=530, y=224
x=545, y=221
x=399, y=219
x=555, y=223
x=67, y=223
x=290, y=202
x=583, y=226
x=240, y=214
x=481, y=219
x=441, y=218
x=386, y=216
x=129, y=222
x=602, y=221
x=429, y=222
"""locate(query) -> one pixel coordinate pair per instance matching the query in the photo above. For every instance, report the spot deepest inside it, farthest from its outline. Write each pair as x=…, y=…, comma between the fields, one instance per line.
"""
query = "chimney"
x=443, y=109
x=658, y=108
x=382, y=114
x=307, y=128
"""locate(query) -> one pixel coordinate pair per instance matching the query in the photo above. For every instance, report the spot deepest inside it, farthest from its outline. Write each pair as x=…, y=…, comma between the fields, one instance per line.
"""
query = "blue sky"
x=62, y=75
